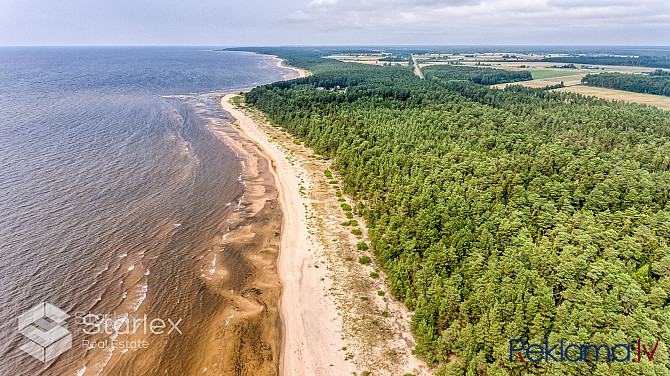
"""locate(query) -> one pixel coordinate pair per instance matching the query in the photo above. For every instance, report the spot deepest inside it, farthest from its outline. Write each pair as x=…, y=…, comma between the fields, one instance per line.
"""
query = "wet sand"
x=242, y=338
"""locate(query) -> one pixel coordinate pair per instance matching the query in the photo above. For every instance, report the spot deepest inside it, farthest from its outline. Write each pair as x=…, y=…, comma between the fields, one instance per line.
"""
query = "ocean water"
x=110, y=188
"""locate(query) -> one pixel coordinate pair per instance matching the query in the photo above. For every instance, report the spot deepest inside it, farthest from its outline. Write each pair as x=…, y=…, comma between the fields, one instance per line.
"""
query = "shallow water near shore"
x=117, y=198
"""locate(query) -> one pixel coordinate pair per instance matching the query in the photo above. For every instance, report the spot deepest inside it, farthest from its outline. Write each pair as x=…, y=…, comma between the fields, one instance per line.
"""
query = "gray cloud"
x=272, y=22
x=495, y=21
x=591, y=3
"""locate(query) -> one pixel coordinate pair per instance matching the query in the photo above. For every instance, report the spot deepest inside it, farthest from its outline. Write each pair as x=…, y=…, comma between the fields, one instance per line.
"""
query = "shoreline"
x=281, y=63
x=241, y=335
x=303, y=322
x=325, y=329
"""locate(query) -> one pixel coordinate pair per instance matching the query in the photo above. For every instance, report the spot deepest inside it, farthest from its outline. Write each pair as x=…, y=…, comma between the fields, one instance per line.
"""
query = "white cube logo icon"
x=46, y=328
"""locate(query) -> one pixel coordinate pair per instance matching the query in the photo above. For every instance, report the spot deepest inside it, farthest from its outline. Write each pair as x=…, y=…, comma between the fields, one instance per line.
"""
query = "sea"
x=110, y=188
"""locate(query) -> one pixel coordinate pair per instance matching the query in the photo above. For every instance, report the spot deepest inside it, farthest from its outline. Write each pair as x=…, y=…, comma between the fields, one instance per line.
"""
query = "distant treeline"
x=498, y=214
x=654, y=83
x=566, y=66
x=401, y=57
x=642, y=61
x=305, y=57
x=659, y=72
x=484, y=76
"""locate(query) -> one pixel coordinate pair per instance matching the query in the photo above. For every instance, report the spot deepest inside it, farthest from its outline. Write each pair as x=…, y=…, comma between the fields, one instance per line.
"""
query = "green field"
x=539, y=74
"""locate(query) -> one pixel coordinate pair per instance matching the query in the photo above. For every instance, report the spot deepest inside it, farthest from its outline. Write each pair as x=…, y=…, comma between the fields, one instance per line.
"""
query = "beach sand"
x=327, y=328
x=311, y=330
x=300, y=72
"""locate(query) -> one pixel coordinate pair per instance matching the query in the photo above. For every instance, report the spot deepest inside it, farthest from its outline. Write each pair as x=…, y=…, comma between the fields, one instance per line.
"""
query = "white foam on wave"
x=123, y=255
x=131, y=267
x=110, y=354
x=230, y=317
x=213, y=269
x=110, y=350
x=80, y=372
x=142, y=293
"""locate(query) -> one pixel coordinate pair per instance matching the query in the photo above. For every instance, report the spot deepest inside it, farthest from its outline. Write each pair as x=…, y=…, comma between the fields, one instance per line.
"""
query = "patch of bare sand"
x=336, y=318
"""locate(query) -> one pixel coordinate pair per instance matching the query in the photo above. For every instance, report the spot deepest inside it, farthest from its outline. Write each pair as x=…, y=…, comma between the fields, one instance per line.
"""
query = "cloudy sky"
x=350, y=22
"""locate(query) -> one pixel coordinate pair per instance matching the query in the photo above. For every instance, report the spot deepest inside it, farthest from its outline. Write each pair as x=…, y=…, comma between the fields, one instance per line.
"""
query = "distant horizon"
x=334, y=45
x=336, y=22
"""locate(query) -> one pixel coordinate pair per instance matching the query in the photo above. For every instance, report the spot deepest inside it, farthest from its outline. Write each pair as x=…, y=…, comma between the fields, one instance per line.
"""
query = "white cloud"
x=488, y=21
x=299, y=15
x=321, y=3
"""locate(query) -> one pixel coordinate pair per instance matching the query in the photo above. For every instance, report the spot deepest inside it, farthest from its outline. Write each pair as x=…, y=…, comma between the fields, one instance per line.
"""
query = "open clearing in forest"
x=372, y=59
x=600, y=92
x=570, y=80
x=540, y=74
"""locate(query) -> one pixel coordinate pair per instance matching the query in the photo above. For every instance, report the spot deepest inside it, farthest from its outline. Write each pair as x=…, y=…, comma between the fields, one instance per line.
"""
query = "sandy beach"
x=336, y=320
x=301, y=72
x=311, y=330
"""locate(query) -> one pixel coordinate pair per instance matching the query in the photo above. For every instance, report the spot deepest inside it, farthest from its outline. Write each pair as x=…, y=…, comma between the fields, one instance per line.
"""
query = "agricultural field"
x=372, y=59
x=543, y=74
x=659, y=101
x=492, y=57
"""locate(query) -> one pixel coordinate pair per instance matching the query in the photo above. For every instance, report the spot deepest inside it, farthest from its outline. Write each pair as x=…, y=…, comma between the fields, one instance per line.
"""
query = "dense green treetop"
x=657, y=82
x=484, y=76
x=499, y=214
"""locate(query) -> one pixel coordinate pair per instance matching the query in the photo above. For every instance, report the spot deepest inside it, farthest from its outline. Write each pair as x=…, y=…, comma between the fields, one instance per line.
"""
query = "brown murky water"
x=123, y=206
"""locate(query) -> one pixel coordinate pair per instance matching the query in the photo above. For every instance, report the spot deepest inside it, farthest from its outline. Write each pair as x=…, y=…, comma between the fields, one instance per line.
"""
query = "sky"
x=334, y=22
